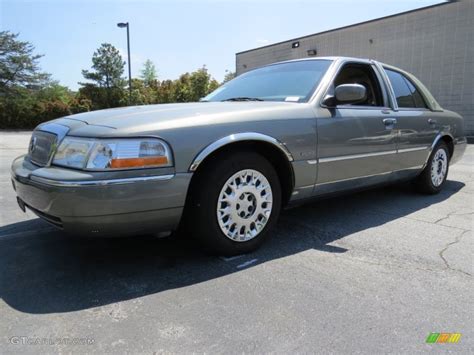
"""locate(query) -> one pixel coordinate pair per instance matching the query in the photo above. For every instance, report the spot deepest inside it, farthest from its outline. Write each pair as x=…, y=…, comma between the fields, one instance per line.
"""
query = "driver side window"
x=362, y=74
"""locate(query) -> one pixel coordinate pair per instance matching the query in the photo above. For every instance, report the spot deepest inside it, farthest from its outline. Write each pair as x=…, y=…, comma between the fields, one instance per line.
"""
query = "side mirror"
x=350, y=93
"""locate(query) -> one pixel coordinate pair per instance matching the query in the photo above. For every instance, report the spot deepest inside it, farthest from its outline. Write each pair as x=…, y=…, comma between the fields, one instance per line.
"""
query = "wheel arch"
x=271, y=148
x=448, y=139
x=238, y=137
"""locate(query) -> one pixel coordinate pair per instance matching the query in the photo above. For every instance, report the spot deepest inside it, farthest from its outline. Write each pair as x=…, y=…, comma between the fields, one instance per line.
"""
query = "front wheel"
x=433, y=177
x=235, y=203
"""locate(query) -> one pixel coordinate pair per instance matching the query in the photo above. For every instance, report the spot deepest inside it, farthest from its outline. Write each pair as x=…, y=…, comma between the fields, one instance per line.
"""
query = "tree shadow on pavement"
x=46, y=271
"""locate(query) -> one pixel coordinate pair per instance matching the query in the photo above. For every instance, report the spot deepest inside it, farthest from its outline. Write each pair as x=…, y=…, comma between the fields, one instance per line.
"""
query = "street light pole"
x=122, y=25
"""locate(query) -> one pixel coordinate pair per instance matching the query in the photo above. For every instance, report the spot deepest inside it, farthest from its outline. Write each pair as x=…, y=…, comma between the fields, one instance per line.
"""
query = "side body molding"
x=238, y=137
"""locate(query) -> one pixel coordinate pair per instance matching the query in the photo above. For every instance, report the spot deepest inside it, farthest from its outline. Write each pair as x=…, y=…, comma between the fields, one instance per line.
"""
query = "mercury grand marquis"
x=224, y=167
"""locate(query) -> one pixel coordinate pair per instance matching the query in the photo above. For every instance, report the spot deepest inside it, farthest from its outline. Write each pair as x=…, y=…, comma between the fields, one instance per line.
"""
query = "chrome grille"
x=41, y=147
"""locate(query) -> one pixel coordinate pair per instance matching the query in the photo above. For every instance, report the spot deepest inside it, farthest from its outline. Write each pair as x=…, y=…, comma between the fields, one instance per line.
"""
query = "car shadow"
x=45, y=271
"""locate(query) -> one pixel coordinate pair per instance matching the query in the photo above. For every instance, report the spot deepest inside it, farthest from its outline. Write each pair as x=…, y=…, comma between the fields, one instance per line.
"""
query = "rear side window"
x=407, y=95
x=415, y=93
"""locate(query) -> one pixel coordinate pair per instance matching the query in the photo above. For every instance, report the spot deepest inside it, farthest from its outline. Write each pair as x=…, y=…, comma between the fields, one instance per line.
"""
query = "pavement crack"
x=390, y=263
x=422, y=220
x=446, y=247
x=452, y=214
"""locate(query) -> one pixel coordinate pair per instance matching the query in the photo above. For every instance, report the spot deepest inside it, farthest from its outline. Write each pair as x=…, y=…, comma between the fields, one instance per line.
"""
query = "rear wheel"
x=235, y=203
x=433, y=177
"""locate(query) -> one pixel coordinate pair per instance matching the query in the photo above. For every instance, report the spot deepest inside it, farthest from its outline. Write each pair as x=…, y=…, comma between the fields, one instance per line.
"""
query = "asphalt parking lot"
x=373, y=272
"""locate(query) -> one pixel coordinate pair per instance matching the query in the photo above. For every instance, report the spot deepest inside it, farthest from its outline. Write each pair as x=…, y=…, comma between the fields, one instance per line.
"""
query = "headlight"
x=110, y=154
x=73, y=152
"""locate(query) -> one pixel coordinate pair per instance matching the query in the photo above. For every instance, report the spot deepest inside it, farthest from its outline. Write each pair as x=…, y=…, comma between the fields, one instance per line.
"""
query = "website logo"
x=443, y=338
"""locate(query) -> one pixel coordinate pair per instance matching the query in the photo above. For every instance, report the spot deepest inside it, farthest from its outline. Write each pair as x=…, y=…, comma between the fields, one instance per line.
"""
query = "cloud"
x=262, y=41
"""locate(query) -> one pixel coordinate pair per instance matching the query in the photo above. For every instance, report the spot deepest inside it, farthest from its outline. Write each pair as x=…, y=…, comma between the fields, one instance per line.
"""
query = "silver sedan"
x=224, y=167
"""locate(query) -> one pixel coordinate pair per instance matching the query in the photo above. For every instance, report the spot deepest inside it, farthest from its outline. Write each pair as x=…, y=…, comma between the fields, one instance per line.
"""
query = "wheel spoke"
x=439, y=167
x=244, y=205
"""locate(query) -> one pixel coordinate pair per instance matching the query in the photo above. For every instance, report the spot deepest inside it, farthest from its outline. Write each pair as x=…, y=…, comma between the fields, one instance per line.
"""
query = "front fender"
x=238, y=137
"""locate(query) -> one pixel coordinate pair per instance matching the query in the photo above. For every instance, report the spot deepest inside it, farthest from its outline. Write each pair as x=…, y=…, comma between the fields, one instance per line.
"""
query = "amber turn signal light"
x=138, y=162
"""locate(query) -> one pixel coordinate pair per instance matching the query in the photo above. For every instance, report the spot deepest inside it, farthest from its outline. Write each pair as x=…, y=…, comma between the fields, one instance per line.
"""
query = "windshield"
x=291, y=81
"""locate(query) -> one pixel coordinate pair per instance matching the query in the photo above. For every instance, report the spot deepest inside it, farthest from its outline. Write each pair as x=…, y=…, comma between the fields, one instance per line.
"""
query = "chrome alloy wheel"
x=244, y=205
x=439, y=166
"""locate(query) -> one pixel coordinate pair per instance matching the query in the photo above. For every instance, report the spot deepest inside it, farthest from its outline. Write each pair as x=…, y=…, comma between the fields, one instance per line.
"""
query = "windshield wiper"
x=243, y=98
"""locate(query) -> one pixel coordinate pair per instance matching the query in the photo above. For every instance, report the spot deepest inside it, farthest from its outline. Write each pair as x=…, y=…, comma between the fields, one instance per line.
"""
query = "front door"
x=359, y=140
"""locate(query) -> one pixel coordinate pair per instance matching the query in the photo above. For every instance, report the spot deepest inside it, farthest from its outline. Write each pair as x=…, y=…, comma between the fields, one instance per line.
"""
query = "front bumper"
x=88, y=203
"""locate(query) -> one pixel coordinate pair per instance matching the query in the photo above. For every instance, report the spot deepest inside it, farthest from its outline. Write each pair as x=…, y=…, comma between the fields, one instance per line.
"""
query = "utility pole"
x=122, y=25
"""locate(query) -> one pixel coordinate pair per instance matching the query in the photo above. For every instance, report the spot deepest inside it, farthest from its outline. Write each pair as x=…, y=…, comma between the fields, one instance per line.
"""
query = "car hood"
x=171, y=116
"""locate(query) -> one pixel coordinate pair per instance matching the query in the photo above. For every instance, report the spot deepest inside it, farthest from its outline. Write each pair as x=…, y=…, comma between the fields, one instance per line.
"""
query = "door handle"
x=389, y=121
x=431, y=121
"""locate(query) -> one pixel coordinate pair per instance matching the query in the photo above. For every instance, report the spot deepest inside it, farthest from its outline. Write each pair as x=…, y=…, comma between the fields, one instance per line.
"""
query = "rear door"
x=358, y=140
x=416, y=124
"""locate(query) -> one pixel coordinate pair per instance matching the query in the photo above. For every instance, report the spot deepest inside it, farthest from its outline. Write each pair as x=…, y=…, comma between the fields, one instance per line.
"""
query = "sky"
x=178, y=36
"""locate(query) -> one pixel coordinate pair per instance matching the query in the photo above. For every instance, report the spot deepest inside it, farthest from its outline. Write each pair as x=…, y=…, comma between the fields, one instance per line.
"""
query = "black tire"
x=424, y=182
x=204, y=194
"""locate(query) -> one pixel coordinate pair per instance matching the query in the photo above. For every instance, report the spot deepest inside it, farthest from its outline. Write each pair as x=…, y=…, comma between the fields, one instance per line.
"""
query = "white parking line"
x=230, y=258
x=247, y=263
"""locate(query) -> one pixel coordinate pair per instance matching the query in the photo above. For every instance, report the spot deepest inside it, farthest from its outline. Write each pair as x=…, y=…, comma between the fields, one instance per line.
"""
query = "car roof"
x=332, y=58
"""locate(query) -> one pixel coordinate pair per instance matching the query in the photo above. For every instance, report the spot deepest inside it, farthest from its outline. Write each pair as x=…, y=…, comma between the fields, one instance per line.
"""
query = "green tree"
x=165, y=93
x=27, y=95
x=190, y=87
x=143, y=94
x=101, y=97
x=55, y=91
x=27, y=108
x=199, y=83
x=57, y=96
x=107, y=87
x=213, y=85
x=183, y=89
x=148, y=73
x=108, y=67
x=228, y=76
x=18, y=65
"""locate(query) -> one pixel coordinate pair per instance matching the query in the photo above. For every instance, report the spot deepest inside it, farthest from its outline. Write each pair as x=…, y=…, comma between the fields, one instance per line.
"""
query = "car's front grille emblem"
x=41, y=147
